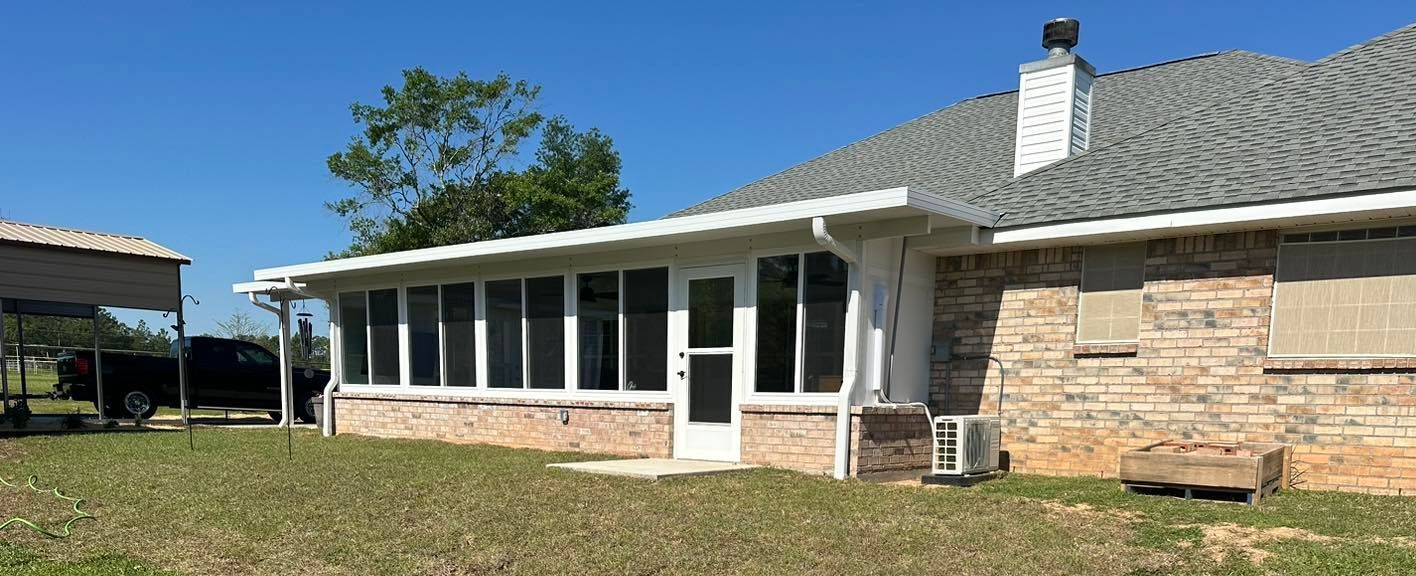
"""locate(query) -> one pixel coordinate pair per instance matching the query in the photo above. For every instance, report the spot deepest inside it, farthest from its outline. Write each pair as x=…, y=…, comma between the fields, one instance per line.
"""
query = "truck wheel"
x=140, y=404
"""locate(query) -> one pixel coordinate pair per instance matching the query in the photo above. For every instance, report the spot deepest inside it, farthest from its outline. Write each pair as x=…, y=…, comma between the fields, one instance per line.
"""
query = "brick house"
x=1219, y=247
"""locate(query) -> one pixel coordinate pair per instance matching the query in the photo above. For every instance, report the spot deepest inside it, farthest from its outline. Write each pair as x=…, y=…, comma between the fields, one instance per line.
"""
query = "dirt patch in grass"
x=1223, y=540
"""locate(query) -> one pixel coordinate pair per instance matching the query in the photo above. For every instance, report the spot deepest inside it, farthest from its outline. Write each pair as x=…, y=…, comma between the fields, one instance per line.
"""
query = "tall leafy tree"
x=434, y=165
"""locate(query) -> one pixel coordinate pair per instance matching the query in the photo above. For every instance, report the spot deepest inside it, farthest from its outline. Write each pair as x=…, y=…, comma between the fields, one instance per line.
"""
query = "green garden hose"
x=68, y=526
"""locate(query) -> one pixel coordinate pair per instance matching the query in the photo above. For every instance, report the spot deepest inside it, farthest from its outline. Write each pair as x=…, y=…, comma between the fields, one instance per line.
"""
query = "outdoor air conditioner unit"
x=966, y=445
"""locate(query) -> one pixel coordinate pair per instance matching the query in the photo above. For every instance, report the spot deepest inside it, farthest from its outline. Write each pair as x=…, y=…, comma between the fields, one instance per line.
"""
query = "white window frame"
x=1278, y=259
x=797, y=395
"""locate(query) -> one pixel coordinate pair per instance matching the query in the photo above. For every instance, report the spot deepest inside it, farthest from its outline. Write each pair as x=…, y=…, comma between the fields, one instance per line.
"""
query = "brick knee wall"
x=1199, y=369
x=620, y=428
x=886, y=438
x=796, y=437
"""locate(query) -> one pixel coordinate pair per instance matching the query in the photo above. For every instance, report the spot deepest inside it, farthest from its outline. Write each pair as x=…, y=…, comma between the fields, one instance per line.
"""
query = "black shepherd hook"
x=186, y=400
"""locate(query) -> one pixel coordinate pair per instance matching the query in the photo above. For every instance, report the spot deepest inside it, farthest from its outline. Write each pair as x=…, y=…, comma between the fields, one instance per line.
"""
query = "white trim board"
x=850, y=208
x=1395, y=204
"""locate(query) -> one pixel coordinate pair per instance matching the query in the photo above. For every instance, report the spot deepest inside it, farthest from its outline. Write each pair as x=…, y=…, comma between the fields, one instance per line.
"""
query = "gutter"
x=848, y=380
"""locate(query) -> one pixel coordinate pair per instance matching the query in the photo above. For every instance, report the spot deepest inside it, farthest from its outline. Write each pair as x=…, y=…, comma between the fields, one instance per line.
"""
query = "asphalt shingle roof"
x=967, y=148
x=1344, y=124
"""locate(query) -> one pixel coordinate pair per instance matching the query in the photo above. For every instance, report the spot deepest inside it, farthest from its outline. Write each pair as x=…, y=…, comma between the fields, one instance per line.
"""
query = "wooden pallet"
x=1250, y=468
x=1190, y=492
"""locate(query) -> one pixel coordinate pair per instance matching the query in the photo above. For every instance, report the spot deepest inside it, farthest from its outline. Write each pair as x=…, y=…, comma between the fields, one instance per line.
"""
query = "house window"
x=597, y=312
x=385, y=364
x=1346, y=293
x=425, y=360
x=646, y=329
x=354, y=337
x=459, y=312
x=545, y=324
x=503, y=305
x=801, y=323
x=638, y=300
x=1109, y=309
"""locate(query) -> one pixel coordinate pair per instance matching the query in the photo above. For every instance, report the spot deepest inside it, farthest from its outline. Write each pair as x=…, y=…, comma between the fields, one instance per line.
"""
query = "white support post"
x=287, y=397
x=4, y=368
x=97, y=367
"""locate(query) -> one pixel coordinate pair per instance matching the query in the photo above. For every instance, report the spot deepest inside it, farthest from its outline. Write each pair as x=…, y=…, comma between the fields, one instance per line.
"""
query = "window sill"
x=1106, y=350
x=1340, y=365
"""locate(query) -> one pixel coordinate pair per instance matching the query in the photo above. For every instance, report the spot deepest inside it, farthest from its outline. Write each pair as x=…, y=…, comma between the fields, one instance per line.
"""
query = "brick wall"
x=886, y=438
x=796, y=437
x=1198, y=371
x=621, y=428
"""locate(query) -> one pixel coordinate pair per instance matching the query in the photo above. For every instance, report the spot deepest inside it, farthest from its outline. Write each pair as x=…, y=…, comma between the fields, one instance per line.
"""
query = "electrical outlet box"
x=941, y=351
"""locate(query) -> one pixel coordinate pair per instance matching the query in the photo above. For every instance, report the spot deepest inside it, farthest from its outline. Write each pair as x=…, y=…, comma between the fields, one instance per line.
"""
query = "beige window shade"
x=1345, y=299
x=1110, y=303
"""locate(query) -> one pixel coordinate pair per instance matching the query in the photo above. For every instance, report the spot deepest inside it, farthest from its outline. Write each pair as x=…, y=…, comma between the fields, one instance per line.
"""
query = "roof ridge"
x=1363, y=44
x=1236, y=97
x=74, y=230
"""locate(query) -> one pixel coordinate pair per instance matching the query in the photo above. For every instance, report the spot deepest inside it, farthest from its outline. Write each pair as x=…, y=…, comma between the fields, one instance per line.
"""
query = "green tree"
x=433, y=166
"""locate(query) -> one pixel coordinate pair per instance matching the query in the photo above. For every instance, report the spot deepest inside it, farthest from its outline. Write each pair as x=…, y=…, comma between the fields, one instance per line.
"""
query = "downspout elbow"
x=824, y=238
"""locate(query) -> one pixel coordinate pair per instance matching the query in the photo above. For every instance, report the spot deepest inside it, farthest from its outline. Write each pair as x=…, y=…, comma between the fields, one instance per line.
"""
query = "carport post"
x=97, y=366
x=4, y=368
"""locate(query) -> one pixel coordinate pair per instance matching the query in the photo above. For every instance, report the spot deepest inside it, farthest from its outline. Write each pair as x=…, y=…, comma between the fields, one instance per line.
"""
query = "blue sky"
x=204, y=126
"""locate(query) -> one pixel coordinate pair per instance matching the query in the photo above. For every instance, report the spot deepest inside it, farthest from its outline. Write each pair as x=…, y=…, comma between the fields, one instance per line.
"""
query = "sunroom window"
x=503, y=305
x=633, y=304
x=385, y=363
x=354, y=337
x=801, y=323
x=459, y=329
x=425, y=360
x=545, y=323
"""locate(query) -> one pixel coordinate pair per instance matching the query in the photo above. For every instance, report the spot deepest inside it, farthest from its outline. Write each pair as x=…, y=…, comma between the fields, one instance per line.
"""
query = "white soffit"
x=845, y=209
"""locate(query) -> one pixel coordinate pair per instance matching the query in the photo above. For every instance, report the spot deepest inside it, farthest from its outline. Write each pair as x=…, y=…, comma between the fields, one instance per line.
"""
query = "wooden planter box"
x=1254, y=469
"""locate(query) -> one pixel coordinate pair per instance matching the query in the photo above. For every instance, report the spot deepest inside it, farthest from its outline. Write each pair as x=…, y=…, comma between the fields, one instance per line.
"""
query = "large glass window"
x=823, y=323
x=425, y=359
x=1109, y=309
x=383, y=336
x=1346, y=293
x=545, y=322
x=646, y=328
x=777, y=278
x=503, y=306
x=801, y=298
x=354, y=337
x=597, y=312
x=459, y=333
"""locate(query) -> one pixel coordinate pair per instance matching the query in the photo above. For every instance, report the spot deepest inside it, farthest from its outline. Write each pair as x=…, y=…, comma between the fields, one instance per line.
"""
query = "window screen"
x=383, y=336
x=823, y=337
x=425, y=361
x=646, y=328
x=597, y=310
x=503, y=302
x=777, y=279
x=354, y=337
x=545, y=322
x=1339, y=298
x=1110, y=303
x=459, y=333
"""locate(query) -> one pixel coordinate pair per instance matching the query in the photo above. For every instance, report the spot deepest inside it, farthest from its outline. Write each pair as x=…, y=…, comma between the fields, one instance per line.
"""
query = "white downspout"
x=327, y=407
x=848, y=380
x=281, y=313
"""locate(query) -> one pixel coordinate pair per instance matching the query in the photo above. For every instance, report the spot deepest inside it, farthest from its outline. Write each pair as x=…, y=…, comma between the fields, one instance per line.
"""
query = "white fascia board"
x=724, y=224
x=1278, y=214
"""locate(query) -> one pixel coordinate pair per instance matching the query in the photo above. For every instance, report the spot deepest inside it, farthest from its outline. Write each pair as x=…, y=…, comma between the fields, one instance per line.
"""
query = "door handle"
x=681, y=374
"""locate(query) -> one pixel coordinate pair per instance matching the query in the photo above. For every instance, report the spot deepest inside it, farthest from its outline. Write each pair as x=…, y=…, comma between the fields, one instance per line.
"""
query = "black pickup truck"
x=222, y=375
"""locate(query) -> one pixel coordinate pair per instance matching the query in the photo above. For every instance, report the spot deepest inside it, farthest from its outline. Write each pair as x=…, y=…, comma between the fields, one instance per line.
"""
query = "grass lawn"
x=353, y=505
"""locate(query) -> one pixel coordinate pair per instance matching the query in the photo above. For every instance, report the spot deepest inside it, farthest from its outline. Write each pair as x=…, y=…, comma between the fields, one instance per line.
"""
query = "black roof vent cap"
x=1060, y=36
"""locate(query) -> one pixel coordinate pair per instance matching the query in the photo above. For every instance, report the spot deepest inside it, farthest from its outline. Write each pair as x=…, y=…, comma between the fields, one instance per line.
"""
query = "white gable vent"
x=1054, y=101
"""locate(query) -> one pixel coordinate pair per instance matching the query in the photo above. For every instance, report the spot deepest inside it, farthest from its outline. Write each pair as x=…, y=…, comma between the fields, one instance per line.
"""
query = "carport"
x=45, y=270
